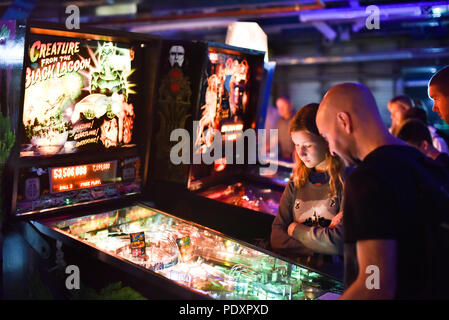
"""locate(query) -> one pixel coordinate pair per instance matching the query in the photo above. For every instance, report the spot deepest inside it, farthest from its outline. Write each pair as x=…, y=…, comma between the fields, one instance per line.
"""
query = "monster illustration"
x=114, y=67
x=109, y=130
x=96, y=105
x=109, y=92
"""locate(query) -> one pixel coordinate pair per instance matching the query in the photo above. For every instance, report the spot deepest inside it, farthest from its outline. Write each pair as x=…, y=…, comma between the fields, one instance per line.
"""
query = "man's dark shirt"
x=381, y=201
x=444, y=159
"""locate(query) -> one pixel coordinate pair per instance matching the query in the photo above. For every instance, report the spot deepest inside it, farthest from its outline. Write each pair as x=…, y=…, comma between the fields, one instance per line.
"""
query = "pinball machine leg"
x=23, y=247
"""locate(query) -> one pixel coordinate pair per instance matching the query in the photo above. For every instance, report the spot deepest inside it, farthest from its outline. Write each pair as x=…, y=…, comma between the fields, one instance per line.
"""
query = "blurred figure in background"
x=286, y=146
x=416, y=133
x=271, y=121
x=438, y=138
x=397, y=107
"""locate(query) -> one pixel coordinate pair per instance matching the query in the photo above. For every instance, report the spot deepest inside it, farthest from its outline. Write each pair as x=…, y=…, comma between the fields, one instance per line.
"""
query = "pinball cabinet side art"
x=176, y=96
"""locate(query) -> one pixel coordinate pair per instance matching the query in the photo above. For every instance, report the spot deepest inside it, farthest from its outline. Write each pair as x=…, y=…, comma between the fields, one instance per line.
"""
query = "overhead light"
x=359, y=13
x=247, y=35
x=437, y=11
x=116, y=9
x=182, y=25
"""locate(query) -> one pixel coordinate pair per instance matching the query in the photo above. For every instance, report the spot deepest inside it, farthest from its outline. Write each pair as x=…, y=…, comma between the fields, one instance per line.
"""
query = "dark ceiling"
x=285, y=22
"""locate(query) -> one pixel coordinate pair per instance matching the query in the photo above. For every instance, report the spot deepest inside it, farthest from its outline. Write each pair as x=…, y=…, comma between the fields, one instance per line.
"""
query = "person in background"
x=397, y=107
x=437, y=137
x=271, y=121
x=285, y=108
x=439, y=93
x=416, y=133
x=304, y=227
x=383, y=206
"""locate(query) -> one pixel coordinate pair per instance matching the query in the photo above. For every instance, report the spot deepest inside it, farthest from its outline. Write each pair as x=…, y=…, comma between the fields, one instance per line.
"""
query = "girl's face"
x=310, y=148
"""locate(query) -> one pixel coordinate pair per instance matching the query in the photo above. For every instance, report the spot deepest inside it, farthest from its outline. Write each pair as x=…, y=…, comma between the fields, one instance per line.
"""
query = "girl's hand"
x=336, y=220
x=291, y=228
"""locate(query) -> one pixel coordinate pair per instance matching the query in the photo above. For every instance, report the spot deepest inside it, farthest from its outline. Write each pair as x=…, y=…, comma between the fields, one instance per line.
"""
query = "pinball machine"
x=83, y=98
x=214, y=93
x=76, y=182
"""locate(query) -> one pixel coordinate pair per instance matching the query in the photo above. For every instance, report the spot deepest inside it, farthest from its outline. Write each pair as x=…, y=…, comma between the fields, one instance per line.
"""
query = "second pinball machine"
x=212, y=94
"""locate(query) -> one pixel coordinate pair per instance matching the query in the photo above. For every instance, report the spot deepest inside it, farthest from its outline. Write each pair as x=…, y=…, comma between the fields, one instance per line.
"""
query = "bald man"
x=439, y=93
x=380, y=218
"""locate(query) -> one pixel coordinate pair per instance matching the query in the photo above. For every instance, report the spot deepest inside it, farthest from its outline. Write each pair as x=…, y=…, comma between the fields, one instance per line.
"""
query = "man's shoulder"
x=443, y=158
x=363, y=175
x=386, y=163
x=392, y=157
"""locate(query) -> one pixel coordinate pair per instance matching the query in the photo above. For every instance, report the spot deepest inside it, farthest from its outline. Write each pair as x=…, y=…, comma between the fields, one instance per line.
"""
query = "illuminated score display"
x=82, y=176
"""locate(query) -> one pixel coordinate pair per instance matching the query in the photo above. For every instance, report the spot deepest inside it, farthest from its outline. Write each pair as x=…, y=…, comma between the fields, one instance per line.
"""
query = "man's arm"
x=380, y=253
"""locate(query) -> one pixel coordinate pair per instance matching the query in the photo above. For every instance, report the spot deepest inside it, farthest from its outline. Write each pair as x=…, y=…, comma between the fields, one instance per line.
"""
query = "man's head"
x=416, y=133
x=397, y=107
x=284, y=106
x=348, y=118
x=416, y=113
x=439, y=93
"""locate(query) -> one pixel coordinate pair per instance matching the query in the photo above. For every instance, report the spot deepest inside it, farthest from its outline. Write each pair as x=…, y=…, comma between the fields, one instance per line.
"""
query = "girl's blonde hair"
x=304, y=120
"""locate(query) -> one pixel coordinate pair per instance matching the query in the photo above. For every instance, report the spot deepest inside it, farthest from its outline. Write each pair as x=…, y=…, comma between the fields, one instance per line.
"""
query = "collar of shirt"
x=318, y=178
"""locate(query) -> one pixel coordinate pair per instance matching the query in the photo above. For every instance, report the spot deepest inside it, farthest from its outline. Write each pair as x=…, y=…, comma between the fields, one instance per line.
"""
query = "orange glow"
x=220, y=164
x=90, y=183
x=62, y=173
x=232, y=127
x=101, y=166
x=77, y=35
x=65, y=187
x=81, y=177
x=231, y=137
x=213, y=57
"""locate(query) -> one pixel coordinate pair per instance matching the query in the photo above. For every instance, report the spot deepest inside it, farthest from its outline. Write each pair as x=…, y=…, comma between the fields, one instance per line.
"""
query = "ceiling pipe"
x=357, y=13
x=426, y=53
x=240, y=13
x=182, y=25
x=325, y=30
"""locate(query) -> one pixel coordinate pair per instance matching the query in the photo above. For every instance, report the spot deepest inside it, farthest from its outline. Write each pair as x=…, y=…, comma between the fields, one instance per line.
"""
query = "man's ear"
x=424, y=145
x=344, y=121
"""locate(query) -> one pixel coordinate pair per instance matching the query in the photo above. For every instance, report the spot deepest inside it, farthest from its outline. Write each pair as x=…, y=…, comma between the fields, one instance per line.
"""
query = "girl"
x=308, y=221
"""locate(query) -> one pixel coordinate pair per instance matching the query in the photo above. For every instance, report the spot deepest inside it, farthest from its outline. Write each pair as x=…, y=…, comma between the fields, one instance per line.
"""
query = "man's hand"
x=336, y=220
x=383, y=255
